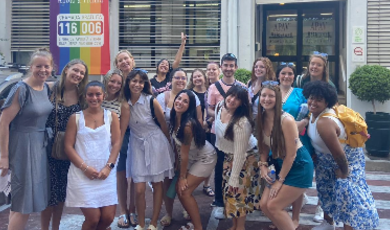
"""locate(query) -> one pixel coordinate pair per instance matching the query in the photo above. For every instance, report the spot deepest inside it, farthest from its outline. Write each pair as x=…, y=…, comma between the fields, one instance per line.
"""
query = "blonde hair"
x=60, y=85
x=325, y=74
x=42, y=52
x=123, y=51
x=270, y=75
x=191, y=84
x=277, y=139
x=106, y=79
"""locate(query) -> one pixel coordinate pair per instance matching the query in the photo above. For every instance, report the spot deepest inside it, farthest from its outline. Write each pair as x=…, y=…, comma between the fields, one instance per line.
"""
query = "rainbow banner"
x=79, y=29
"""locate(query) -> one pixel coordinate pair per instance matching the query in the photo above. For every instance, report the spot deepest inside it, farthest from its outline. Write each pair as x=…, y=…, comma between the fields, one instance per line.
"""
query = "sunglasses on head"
x=325, y=55
x=241, y=86
x=142, y=70
x=230, y=55
x=290, y=64
x=271, y=83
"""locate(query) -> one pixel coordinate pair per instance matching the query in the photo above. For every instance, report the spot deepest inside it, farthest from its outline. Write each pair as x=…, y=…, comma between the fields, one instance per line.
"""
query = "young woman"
x=149, y=158
x=277, y=131
x=199, y=85
x=115, y=102
x=262, y=70
x=161, y=82
x=124, y=61
x=340, y=169
x=318, y=70
x=179, y=82
x=68, y=94
x=23, y=118
x=213, y=72
x=196, y=156
x=92, y=143
x=233, y=130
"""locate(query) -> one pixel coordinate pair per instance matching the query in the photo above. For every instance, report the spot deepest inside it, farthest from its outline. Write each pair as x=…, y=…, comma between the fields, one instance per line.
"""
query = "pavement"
x=378, y=181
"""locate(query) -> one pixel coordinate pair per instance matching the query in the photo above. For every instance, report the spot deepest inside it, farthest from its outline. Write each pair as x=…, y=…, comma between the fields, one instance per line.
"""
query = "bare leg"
x=140, y=189
x=188, y=201
x=296, y=210
x=46, y=216
x=241, y=223
x=17, y=220
x=121, y=186
x=106, y=217
x=234, y=226
x=207, y=182
x=92, y=218
x=157, y=201
x=328, y=218
x=132, y=201
x=168, y=201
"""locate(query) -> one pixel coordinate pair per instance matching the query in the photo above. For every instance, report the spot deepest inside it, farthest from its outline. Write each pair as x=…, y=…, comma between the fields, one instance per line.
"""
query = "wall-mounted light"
x=276, y=54
x=282, y=4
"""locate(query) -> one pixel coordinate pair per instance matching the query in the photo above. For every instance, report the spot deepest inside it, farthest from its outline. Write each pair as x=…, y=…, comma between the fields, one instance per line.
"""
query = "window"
x=150, y=30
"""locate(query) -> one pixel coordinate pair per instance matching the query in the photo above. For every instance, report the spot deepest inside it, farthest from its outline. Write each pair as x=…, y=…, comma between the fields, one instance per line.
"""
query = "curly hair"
x=319, y=90
x=191, y=83
x=270, y=75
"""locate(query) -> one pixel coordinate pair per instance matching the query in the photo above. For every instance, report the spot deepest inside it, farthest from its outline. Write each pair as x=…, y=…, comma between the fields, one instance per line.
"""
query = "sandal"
x=125, y=221
x=151, y=227
x=186, y=215
x=189, y=226
x=139, y=228
x=133, y=219
x=208, y=191
x=166, y=220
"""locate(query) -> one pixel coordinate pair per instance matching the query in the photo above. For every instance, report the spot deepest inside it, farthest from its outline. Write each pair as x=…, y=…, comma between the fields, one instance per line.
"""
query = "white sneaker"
x=304, y=202
x=319, y=216
x=324, y=226
x=219, y=213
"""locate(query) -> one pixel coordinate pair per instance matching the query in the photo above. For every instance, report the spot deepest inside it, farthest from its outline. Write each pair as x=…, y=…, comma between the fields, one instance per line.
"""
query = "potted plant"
x=243, y=75
x=372, y=83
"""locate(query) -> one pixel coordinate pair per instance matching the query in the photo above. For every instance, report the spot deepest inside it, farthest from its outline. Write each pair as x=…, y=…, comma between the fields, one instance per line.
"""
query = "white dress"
x=93, y=146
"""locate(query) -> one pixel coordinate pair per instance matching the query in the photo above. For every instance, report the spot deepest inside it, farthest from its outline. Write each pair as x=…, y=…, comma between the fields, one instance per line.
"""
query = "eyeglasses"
x=325, y=55
x=290, y=64
x=271, y=83
x=180, y=78
x=142, y=70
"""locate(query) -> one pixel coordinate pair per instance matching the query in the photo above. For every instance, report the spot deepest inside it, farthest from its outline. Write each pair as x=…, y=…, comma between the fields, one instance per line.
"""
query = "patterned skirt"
x=349, y=200
x=248, y=197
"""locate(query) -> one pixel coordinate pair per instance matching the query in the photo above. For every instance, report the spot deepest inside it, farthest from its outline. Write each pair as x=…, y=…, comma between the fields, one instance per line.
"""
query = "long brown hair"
x=60, y=85
x=106, y=79
x=191, y=83
x=270, y=76
x=277, y=138
x=325, y=74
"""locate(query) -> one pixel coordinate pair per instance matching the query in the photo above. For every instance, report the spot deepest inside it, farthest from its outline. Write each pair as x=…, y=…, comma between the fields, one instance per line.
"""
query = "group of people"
x=173, y=133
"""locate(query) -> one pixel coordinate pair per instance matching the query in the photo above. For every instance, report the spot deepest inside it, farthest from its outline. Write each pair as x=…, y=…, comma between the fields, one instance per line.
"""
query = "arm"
x=6, y=118
x=179, y=53
x=160, y=118
x=329, y=132
x=115, y=146
x=69, y=142
x=184, y=152
x=242, y=133
x=199, y=114
x=302, y=124
x=211, y=102
x=125, y=118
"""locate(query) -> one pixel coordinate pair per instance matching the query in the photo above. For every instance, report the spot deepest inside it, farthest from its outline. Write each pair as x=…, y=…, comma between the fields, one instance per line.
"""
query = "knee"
x=92, y=221
x=107, y=219
x=184, y=195
x=263, y=205
x=272, y=208
x=139, y=193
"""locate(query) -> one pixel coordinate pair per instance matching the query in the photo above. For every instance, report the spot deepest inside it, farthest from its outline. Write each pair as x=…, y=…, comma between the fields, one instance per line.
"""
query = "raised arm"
x=179, y=53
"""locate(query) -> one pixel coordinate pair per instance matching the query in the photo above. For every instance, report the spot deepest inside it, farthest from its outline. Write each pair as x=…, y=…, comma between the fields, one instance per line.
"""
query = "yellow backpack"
x=354, y=124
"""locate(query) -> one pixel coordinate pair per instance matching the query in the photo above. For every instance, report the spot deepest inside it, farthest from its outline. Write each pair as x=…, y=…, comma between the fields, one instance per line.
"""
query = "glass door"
x=292, y=32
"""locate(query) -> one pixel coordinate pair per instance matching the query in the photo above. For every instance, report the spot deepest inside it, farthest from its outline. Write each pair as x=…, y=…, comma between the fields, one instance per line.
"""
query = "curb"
x=377, y=165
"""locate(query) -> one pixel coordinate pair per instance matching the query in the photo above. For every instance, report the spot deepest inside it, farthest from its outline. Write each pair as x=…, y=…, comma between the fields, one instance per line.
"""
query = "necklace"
x=287, y=95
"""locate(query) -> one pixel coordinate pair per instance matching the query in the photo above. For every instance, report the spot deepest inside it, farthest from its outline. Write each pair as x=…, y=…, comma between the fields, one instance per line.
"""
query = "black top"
x=160, y=87
x=201, y=97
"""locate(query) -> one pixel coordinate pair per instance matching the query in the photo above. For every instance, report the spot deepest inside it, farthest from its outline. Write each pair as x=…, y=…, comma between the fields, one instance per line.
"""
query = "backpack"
x=354, y=124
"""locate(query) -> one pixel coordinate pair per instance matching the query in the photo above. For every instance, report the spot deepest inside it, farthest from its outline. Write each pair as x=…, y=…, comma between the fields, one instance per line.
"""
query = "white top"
x=316, y=140
x=93, y=146
x=244, y=141
x=255, y=104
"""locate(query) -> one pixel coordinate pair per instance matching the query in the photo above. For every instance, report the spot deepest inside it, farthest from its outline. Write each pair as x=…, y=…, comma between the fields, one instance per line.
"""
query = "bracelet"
x=86, y=168
x=281, y=179
x=82, y=165
x=263, y=163
x=182, y=178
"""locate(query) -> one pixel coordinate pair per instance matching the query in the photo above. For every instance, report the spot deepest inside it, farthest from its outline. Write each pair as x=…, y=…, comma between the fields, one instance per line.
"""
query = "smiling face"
x=114, y=85
x=163, y=67
x=267, y=98
x=182, y=103
x=229, y=68
x=124, y=62
x=232, y=102
x=213, y=72
x=75, y=74
x=179, y=81
x=198, y=79
x=316, y=105
x=260, y=69
x=286, y=76
x=41, y=68
x=316, y=67
x=136, y=85
x=94, y=96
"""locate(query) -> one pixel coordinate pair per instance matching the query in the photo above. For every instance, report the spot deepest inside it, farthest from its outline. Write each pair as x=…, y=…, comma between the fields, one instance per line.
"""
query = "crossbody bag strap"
x=219, y=88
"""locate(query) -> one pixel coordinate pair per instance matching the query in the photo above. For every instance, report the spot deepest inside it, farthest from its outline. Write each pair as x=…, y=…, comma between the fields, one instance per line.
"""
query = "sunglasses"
x=271, y=83
x=241, y=86
x=230, y=55
x=290, y=64
x=325, y=55
x=142, y=70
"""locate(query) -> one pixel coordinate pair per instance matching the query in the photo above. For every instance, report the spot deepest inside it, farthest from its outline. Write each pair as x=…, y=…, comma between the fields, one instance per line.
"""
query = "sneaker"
x=324, y=226
x=219, y=213
x=304, y=202
x=319, y=216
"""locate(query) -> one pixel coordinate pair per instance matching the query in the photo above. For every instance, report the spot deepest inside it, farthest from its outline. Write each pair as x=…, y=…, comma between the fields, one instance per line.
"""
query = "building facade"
x=351, y=32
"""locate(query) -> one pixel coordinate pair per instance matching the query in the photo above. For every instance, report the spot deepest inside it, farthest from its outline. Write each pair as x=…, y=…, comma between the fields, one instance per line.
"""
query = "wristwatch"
x=110, y=165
